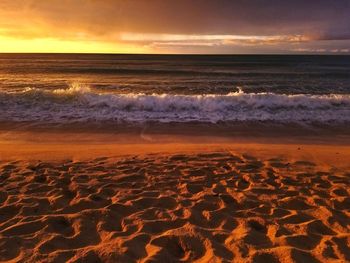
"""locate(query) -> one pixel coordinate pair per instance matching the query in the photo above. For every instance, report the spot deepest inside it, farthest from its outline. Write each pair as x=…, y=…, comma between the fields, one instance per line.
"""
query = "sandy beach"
x=150, y=200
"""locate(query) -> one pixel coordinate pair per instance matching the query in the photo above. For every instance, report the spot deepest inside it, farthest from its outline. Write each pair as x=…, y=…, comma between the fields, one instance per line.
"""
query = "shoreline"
x=58, y=146
x=228, y=132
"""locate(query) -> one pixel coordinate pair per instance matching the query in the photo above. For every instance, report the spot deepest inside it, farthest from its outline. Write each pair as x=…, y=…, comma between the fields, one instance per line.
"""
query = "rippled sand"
x=213, y=206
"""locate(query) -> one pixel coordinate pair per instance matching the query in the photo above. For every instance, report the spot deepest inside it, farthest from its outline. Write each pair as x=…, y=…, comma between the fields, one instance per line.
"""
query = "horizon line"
x=178, y=54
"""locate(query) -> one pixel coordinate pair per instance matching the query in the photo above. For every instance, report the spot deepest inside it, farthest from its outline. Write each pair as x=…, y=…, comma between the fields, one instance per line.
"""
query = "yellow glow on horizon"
x=52, y=45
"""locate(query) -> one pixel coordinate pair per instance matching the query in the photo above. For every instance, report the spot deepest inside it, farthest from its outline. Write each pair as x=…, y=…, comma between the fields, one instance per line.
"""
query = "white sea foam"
x=81, y=104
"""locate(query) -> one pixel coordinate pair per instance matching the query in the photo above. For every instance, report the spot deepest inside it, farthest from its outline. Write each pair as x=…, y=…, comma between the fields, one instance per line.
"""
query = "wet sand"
x=98, y=198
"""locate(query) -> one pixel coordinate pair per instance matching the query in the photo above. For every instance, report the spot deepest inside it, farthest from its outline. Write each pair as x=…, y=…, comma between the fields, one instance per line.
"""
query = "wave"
x=82, y=104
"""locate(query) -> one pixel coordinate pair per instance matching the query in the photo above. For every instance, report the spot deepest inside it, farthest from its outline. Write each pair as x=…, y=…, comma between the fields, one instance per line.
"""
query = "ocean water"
x=67, y=88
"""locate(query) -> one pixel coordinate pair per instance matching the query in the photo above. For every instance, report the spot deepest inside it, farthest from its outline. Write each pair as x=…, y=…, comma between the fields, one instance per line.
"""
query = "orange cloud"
x=222, y=26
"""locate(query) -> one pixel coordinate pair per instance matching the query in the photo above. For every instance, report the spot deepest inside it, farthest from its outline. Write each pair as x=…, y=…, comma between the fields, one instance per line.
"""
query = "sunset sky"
x=181, y=26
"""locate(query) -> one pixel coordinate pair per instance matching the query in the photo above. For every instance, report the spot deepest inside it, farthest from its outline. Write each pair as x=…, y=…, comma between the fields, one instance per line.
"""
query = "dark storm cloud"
x=323, y=18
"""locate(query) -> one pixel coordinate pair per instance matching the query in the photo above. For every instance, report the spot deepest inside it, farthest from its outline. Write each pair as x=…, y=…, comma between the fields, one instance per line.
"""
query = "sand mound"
x=207, y=207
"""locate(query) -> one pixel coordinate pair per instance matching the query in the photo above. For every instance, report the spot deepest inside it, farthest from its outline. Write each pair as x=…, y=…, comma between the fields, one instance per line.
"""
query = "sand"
x=169, y=202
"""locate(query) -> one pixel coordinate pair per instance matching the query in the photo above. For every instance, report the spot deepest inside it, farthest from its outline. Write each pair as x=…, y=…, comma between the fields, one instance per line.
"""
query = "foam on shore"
x=81, y=104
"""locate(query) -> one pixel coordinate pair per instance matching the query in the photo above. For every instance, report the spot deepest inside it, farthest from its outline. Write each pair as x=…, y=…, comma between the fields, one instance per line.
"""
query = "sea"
x=214, y=89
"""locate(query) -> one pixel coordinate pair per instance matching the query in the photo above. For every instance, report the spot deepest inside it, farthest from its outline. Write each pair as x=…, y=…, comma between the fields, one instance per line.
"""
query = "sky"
x=181, y=26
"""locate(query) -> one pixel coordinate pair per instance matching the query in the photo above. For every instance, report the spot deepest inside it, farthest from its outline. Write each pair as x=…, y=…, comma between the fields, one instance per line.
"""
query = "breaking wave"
x=82, y=104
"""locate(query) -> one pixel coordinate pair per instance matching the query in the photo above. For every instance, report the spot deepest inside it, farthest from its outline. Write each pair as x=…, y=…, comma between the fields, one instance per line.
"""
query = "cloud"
x=251, y=17
x=321, y=50
x=263, y=22
x=180, y=40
